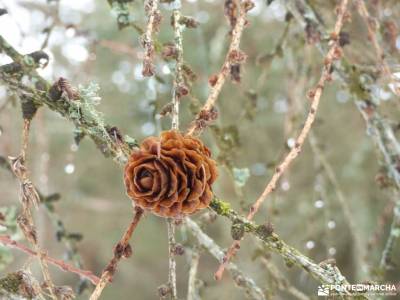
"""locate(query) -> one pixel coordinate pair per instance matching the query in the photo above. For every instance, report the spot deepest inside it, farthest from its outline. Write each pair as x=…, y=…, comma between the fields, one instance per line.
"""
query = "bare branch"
x=333, y=54
x=121, y=250
x=192, y=293
x=219, y=80
x=8, y=242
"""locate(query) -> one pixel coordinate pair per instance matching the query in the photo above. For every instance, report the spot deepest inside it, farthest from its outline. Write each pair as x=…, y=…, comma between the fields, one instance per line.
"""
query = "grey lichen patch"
x=11, y=283
x=264, y=231
x=237, y=230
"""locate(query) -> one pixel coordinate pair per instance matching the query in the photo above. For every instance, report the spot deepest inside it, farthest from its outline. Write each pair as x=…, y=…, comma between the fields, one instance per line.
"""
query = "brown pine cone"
x=171, y=175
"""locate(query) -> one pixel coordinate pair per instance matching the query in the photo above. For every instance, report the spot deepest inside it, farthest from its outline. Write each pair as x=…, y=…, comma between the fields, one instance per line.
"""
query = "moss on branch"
x=326, y=273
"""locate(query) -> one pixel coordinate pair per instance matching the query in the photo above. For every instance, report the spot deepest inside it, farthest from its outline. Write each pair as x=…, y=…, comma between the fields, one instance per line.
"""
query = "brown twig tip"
x=164, y=290
x=169, y=51
x=189, y=22
x=204, y=119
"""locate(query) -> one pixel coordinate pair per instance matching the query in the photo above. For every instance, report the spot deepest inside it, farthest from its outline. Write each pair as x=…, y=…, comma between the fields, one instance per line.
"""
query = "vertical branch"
x=29, y=197
x=333, y=54
x=192, y=289
x=382, y=133
x=171, y=255
x=234, y=56
x=121, y=250
x=179, y=88
x=394, y=234
x=153, y=15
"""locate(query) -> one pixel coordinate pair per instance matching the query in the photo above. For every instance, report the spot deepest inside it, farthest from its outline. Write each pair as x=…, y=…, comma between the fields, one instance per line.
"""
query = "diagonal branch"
x=121, y=250
x=231, y=56
x=378, y=127
x=8, y=242
x=333, y=54
x=324, y=272
x=240, y=279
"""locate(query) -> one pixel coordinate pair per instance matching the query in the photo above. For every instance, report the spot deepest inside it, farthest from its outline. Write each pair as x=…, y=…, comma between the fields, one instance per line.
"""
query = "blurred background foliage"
x=259, y=119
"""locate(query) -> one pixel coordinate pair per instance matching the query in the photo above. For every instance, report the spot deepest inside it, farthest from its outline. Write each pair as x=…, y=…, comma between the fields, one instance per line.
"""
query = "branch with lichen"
x=241, y=280
x=171, y=259
x=193, y=290
x=74, y=106
x=324, y=272
x=333, y=54
x=179, y=87
x=394, y=234
x=154, y=18
x=282, y=283
x=384, y=138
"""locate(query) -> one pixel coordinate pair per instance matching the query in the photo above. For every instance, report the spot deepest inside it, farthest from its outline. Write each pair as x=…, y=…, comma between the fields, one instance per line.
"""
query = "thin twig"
x=233, y=52
x=282, y=282
x=359, y=250
x=171, y=258
x=148, y=45
x=378, y=127
x=121, y=250
x=117, y=47
x=193, y=293
x=380, y=54
x=315, y=95
x=179, y=88
x=240, y=279
x=7, y=241
x=66, y=236
x=177, y=93
x=386, y=259
x=29, y=197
